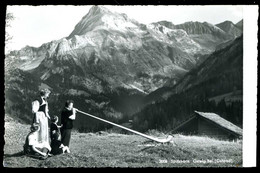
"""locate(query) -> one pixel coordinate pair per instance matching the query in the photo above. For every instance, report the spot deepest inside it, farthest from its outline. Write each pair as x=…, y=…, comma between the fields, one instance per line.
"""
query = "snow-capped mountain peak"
x=100, y=17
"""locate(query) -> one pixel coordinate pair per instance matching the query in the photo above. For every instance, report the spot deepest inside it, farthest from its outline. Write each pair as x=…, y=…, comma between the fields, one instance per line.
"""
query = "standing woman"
x=68, y=115
x=41, y=115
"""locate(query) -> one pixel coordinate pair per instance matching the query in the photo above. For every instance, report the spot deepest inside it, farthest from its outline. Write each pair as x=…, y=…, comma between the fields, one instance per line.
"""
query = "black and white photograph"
x=130, y=86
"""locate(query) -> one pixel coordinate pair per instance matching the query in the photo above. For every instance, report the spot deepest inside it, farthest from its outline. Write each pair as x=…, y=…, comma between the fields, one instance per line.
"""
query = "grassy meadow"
x=107, y=149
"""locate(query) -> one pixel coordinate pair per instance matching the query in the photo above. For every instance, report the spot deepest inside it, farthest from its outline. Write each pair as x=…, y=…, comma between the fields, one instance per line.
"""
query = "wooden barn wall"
x=208, y=128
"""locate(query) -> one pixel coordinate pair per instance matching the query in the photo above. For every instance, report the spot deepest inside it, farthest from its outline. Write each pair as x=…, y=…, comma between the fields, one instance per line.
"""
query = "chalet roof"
x=221, y=122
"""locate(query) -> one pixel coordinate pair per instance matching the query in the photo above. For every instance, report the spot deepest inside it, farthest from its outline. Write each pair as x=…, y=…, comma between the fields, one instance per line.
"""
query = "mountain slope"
x=117, y=46
x=230, y=28
x=240, y=25
x=214, y=86
x=206, y=35
x=100, y=17
x=222, y=63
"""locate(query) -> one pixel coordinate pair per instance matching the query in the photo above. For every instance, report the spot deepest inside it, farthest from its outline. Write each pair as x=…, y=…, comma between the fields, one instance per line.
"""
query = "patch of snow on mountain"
x=134, y=87
x=177, y=37
x=24, y=57
x=117, y=23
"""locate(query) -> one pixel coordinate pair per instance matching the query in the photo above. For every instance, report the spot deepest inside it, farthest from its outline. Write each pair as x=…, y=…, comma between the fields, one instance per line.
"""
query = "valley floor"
x=120, y=150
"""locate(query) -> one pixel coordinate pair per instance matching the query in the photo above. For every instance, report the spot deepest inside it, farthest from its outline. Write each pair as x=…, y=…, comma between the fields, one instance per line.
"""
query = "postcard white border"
x=250, y=17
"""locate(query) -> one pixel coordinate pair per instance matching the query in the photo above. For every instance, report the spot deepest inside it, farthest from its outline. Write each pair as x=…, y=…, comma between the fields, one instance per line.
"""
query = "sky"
x=35, y=25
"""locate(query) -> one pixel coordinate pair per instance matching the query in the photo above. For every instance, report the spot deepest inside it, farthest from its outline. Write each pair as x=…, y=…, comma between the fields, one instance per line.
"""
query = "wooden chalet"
x=209, y=124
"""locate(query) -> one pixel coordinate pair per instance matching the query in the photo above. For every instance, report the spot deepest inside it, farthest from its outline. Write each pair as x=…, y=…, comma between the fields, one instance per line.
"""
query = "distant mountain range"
x=109, y=63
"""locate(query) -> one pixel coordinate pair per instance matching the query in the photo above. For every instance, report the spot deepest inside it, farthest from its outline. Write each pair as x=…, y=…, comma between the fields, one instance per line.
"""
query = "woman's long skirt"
x=43, y=134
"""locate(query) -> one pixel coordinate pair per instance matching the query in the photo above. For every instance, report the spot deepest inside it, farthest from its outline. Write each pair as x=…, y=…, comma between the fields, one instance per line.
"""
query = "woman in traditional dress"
x=41, y=115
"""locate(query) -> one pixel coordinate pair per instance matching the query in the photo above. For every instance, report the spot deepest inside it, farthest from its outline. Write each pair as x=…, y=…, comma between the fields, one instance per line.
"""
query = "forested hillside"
x=214, y=86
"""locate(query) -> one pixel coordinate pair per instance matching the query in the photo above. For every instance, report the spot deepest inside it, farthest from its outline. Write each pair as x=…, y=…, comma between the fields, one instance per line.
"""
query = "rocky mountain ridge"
x=108, y=63
x=216, y=85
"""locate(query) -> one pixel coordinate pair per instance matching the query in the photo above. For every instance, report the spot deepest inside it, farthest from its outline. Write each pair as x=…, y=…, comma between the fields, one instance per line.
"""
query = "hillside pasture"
x=107, y=149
